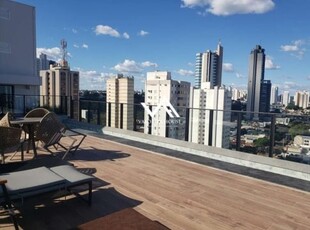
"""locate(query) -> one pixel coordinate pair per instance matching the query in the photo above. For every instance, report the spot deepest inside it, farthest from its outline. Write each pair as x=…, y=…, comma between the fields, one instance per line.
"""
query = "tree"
x=299, y=129
x=292, y=106
x=261, y=142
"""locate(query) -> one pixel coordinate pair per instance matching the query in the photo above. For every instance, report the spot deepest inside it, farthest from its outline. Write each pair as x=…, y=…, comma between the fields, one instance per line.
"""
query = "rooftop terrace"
x=178, y=189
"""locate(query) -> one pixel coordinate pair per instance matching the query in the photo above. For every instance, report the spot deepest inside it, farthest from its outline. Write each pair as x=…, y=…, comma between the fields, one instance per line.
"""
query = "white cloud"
x=289, y=48
x=230, y=7
x=74, y=31
x=190, y=64
x=148, y=64
x=290, y=85
x=184, y=72
x=128, y=66
x=85, y=46
x=143, y=33
x=239, y=75
x=269, y=63
x=52, y=53
x=131, y=66
x=126, y=35
x=228, y=67
x=88, y=73
x=106, y=30
x=296, y=48
x=91, y=79
x=194, y=3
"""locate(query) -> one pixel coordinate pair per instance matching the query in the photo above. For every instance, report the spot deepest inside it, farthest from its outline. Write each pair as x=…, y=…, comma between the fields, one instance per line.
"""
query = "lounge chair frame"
x=58, y=178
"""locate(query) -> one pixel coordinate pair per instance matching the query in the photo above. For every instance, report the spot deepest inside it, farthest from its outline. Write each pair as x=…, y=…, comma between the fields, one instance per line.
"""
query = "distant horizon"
x=134, y=37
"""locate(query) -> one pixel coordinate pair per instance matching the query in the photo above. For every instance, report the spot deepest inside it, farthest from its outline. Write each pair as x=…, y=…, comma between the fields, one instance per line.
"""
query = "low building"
x=302, y=141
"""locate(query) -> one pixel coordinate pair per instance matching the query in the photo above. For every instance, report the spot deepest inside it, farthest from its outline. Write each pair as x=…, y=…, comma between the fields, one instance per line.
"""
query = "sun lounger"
x=35, y=181
x=26, y=183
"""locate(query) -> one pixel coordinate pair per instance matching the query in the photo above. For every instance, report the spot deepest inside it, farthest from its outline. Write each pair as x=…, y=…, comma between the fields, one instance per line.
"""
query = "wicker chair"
x=10, y=137
x=5, y=121
x=37, y=112
x=51, y=131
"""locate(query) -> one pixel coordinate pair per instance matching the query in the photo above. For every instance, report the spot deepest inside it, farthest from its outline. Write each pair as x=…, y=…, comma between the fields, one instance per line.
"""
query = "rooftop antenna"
x=64, y=53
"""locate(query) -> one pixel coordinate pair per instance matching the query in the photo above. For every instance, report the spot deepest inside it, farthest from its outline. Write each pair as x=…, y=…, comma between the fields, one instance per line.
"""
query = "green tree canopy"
x=261, y=142
x=299, y=129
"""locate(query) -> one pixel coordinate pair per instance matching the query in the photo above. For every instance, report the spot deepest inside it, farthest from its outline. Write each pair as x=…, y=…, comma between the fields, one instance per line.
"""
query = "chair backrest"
x=5, y=121
x=49, y=129
x=9, y=136
x=37, y=112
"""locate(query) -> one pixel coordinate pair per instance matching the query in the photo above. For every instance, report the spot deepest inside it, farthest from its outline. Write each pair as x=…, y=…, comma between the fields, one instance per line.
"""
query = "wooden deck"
x=177, y=193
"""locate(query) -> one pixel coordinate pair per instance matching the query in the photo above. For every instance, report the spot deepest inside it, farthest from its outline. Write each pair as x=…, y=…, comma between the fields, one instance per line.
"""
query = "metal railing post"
x=121, y=115
x=88, y=112
x=134, y=118
x=238, y=139
x=187, y=125
x=210, y=128
x=109, y=114
x=24, y=102
x=98, y=113
x=150, y=122
x=272, y=135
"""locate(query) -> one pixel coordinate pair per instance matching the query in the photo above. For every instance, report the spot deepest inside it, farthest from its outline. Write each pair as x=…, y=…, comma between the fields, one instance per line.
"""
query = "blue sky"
x=133, y=37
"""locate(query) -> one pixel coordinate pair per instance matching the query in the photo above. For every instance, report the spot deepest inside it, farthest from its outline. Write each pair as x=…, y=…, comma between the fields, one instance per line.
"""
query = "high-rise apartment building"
x=286, y=98
x=301, y=99
x=210, y=116
x=210, y=102
x=18, y=69
x=209, y=67
x=255, y=101
x=44, y=62
x=60, y=89
x=237, y=94
x=120, y=102
x=165, y=104
x=274, y=95
x=264, y=99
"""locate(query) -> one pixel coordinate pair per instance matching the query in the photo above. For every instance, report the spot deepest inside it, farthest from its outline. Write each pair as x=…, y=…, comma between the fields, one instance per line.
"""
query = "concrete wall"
x=18, y=47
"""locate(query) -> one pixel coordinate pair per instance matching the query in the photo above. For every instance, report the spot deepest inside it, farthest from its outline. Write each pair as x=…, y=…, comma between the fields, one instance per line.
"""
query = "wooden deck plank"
x=179, y=194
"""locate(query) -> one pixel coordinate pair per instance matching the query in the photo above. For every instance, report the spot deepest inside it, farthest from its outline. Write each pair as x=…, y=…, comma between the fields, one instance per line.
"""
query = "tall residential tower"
x=274, y=95
x=209, y=67
x=60, y=87
x=258, y=99
x=165, y=104
x=210, y=117
x=120, y=102
x=210, y=102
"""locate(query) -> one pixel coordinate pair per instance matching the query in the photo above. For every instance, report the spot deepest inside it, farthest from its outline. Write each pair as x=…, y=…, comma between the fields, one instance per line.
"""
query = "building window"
x=5, y=48
x=5, y=13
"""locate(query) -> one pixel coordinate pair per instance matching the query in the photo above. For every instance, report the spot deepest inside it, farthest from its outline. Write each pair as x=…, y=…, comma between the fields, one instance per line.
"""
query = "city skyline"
x=110, y=37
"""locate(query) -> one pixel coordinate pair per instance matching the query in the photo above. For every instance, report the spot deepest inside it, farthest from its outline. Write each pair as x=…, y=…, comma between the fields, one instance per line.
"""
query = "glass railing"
x=278, y=135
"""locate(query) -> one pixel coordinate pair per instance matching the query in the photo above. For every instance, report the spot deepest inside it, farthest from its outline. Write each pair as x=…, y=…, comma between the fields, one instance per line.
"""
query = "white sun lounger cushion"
x=71, y=174
x=32, y=181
